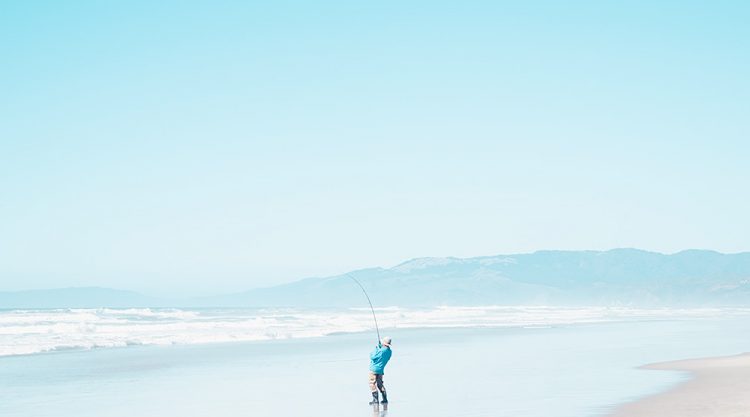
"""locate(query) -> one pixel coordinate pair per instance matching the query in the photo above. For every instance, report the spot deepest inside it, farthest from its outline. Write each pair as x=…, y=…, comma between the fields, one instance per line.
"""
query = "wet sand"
x=717, y=387
x=567, y=371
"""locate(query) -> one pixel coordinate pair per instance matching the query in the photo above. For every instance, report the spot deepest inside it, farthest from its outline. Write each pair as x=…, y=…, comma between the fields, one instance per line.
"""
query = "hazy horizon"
x=712, y=267
x=179, y=294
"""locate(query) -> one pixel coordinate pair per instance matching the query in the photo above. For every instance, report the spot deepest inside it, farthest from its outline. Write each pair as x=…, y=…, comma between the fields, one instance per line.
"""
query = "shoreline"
x=716, y=387
x=570, y=372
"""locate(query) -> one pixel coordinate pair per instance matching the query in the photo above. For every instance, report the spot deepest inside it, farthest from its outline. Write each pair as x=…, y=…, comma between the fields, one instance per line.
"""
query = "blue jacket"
x=379, y=358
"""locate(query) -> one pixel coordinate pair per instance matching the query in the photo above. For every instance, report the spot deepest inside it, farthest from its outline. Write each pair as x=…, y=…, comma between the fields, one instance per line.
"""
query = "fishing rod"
x=370, y=302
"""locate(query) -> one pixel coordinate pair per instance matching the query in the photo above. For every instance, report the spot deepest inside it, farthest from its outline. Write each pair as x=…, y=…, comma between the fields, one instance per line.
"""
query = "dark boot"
x=374, y=398
x=385, y=399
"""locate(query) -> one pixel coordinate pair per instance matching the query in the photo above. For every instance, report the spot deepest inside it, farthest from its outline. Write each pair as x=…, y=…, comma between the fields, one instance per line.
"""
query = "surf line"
x=369, y=302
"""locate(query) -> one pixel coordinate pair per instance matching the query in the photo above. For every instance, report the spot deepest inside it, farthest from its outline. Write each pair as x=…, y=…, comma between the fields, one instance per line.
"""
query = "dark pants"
x=376, y=383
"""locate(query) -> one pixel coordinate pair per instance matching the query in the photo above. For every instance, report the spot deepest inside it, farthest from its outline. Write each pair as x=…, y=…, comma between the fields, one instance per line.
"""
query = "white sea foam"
x=37, y=331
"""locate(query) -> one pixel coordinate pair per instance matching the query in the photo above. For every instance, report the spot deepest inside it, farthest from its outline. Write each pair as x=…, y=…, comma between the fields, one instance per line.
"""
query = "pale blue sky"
x=204, y=147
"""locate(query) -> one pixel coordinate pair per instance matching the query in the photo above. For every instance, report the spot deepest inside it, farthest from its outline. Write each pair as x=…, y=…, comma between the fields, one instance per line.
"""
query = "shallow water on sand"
x=566, y=371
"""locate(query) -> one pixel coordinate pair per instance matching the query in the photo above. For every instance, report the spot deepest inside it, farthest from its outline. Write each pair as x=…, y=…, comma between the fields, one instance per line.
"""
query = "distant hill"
x=616, y=277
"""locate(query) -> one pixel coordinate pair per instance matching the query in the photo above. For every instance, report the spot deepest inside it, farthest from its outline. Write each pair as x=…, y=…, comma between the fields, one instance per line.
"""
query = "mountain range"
x=629, y=277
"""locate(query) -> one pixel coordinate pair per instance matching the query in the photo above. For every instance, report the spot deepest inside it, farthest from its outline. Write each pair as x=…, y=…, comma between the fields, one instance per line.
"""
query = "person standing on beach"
x=378, y=359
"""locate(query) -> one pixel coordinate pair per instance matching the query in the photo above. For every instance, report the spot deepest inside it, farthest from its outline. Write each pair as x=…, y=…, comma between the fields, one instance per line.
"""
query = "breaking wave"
x=45, y=330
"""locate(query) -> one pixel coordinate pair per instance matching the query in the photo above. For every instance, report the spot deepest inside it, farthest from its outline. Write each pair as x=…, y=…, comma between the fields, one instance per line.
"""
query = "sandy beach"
x=553, y=371
x=718, y=387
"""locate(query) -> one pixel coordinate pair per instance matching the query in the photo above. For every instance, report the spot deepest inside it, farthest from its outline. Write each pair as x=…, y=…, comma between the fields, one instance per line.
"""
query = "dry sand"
x=719, y=387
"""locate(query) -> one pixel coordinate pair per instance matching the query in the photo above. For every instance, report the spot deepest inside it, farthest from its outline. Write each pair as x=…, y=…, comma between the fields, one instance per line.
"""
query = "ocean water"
x=37, y=331
x=519, y=361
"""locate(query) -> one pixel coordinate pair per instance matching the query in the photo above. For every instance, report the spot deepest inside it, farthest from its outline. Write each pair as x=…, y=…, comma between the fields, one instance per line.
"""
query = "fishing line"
x=370, y=302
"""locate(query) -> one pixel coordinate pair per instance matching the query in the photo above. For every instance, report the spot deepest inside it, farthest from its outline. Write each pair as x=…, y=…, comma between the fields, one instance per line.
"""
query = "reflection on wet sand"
x=380, y=410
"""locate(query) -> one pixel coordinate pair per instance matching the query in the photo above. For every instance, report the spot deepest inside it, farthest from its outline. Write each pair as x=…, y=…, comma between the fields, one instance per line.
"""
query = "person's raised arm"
x=376, y=353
